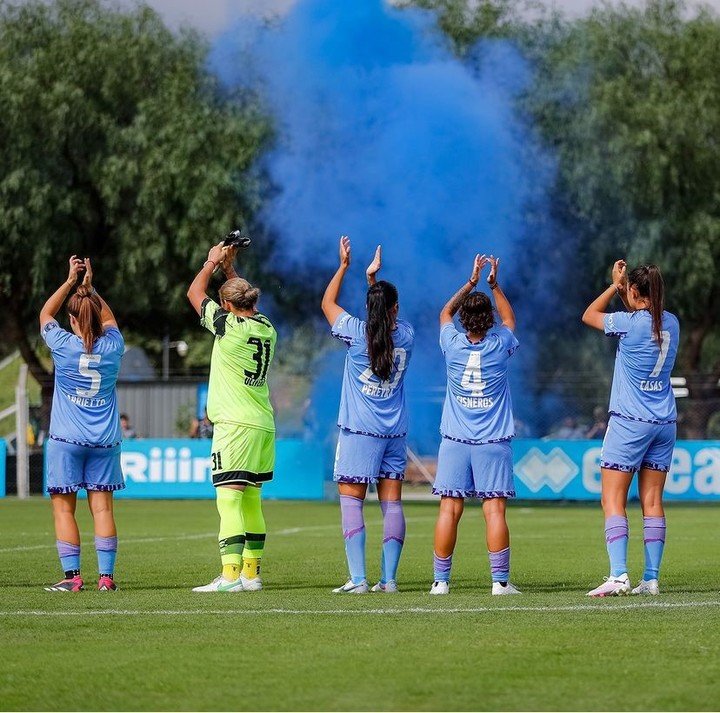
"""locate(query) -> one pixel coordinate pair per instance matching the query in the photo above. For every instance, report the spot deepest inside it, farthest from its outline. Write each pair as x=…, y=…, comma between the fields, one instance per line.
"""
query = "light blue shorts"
x=468, y=470
x=367, y=459
x=71, y=467
x=630, y=445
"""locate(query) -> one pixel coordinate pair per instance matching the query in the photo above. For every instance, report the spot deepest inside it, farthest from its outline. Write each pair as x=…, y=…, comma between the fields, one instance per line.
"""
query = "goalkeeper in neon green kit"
x=243, y=447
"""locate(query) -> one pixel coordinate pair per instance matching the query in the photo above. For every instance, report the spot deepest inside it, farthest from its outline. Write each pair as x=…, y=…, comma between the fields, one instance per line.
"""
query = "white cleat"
x=649, y=586
x=500, y=589
x=387, y=588
x=220, y=584
x=440, y=588
x=350, y=588
x=612, y=587
x=251, y=585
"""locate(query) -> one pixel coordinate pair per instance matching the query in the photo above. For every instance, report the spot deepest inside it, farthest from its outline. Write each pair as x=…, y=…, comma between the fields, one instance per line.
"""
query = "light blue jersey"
x=641, y=387
x=368, y=405
x=84, y=408
x=478, y=407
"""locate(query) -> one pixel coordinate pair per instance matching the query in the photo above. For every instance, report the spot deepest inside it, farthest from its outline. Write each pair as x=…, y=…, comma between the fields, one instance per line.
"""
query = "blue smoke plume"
x=385, y=136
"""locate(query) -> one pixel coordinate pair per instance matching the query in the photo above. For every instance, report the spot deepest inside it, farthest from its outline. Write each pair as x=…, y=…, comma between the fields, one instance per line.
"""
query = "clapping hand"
x=76, y=267
x=619, y=276
x=344, y=251
x=374, y=266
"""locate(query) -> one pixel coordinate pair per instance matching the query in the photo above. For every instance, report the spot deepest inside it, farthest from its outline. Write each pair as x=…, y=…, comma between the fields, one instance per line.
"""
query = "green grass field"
x=156, y=645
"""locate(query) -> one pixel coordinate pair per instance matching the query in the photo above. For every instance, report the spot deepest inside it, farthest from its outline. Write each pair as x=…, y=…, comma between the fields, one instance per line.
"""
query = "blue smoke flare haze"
x=384, y=135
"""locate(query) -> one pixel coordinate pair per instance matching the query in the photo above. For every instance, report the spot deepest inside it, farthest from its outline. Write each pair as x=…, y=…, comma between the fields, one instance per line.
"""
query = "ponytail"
x=650, y=284
x=381, y=298
x=87, y=310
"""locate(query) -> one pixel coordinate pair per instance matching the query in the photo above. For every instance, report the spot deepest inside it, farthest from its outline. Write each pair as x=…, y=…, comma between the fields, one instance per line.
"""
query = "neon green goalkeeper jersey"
x=241, y=356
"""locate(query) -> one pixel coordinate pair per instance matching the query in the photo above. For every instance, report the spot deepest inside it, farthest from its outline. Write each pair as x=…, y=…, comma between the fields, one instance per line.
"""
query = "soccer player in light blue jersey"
x=372, y=420
x=83, y=449
x=475, y=458
x=642, y=427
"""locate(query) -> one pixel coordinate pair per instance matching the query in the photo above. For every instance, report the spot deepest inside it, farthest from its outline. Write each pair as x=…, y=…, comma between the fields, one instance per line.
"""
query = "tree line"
x=119, y=143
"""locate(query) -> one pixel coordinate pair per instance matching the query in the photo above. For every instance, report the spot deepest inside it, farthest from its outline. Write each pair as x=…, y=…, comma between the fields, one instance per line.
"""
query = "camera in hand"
x=236, y=239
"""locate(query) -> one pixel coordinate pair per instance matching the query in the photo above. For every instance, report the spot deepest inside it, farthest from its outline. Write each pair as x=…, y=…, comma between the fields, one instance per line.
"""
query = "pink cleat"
x=612, y=587
x=74, y=584
x=107, y=584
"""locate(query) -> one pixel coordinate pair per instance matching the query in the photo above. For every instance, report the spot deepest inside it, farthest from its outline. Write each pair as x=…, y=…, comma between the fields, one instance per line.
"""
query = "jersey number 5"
x=86, y=362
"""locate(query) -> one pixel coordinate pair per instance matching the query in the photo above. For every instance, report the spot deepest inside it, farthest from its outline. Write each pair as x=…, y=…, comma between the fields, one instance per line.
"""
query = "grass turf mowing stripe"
x=600, y=607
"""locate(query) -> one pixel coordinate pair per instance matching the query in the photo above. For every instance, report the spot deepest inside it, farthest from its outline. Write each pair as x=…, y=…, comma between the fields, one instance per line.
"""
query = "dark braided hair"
x=381, y=298
x=476, y=313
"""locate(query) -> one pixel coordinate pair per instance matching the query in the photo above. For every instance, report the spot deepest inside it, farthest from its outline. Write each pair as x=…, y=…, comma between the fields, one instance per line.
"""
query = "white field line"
x=601, y=608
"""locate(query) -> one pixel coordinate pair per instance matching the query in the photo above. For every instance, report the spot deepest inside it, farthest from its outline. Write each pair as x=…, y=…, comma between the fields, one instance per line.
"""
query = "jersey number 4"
x=472, y=376
x=87, y=361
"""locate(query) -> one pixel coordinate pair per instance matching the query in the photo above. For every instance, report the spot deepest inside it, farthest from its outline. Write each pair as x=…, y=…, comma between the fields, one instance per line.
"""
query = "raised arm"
x=106, y=314
x=331, y=309
x=197, y=292
x=228, y=262
x=453, y=304
x=502, y=305
x=594, y=315
x=57, y=299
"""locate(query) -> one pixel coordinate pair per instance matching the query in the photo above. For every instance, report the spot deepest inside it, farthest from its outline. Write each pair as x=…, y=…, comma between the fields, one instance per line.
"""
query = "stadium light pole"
x=182, y=350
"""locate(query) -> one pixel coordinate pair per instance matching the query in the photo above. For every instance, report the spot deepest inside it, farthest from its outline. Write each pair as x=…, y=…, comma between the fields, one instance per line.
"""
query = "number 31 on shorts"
x=216, y=461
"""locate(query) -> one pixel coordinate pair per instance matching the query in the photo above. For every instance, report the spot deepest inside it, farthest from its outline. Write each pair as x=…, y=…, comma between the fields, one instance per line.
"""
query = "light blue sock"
x=106, y=548
x=616, y=539
x=654, y=536
x=353, y=525
x=69, y=555
x=393, y=538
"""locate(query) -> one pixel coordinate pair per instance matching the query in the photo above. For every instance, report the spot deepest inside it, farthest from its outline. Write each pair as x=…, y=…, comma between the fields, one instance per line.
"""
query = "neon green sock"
x=232, y=529
x=255, y=529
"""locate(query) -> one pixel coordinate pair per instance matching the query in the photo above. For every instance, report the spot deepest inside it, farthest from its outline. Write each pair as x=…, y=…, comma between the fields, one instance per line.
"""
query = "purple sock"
x=353, y=525
x=500, y=565
x=69, y=555
x=616, y=539
x=654, y=536
x=442, y=567
x=393, y=538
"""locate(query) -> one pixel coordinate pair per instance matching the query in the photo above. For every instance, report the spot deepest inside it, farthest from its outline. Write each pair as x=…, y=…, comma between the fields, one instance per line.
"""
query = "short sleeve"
x=348, y=329
x=213, y=317
x=617, y=324
x=54, y=335
x=508, y=340
x=447, y=334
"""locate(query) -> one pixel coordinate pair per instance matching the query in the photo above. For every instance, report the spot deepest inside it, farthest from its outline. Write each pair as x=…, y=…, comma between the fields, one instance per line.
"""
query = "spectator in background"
x=597, y=430
x=568, y=430
x=128, y=431
x=202, y=428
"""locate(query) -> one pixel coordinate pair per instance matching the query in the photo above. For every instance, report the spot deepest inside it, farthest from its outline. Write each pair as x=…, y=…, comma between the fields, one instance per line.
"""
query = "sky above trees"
x=212, y=16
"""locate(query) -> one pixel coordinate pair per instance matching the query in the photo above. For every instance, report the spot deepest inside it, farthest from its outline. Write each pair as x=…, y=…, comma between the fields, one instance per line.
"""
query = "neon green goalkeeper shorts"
x=242, y=455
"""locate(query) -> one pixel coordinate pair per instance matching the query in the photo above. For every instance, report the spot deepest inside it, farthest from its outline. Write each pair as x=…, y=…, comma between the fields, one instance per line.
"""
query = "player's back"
x=641, y=381
x=242, y=353
x=85, y=406
x=368, y=404
x=478, y=405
